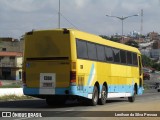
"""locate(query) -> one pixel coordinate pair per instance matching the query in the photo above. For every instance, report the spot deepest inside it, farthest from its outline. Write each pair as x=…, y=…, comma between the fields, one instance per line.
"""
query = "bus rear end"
x=47, y=64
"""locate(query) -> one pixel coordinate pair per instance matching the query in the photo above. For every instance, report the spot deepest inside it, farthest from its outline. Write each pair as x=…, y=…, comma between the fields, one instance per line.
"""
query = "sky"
x=20, y=16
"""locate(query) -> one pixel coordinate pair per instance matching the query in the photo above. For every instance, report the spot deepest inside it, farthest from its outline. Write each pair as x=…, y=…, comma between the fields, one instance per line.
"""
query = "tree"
x=147, y=61
x=156, y=66
x=132, y=43
x=114, y=39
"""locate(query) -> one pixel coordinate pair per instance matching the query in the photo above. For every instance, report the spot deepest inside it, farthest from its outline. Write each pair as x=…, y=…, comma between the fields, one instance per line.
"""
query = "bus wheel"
x=94, y=100
x=132, y=98
x=103, y=98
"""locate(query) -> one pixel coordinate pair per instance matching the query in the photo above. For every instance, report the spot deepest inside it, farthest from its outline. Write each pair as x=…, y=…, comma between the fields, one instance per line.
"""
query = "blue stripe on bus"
x=30, y=91
x=90, y=74
x=73, y=90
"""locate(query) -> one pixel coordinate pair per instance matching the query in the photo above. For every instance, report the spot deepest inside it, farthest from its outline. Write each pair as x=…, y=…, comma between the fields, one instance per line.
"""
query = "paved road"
x=149, y=101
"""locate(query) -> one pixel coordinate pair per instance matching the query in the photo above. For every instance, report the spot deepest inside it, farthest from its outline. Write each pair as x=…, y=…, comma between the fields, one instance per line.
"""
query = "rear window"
x=42, y=44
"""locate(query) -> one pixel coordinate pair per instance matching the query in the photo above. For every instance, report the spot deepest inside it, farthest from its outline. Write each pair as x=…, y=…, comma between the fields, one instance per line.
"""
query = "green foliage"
x=147, y=61
x=105, y=37
x=132, y=43
x=156, y=66
x=114, y=39
x=14, y=84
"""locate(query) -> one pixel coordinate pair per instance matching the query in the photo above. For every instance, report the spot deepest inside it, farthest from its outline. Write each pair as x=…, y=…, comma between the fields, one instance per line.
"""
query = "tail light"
x=73, y=77
x=24, y=77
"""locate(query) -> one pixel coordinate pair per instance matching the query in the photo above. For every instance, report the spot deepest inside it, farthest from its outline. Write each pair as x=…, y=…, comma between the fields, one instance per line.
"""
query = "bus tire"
x=103, y=98
x=94, y=100
x=132, y=98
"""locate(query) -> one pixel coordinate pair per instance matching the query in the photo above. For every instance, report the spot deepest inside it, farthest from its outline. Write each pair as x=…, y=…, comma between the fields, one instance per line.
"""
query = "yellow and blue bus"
x=66, y=63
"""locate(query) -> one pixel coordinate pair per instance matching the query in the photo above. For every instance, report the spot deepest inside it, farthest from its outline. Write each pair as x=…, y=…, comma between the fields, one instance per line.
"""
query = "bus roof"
x=93, y=38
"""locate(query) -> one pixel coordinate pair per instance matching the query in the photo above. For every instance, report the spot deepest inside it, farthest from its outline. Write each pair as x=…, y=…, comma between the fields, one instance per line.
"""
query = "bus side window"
x=129, y=58
x=100, y=53
x=82, y=49
x=135, y=60
x=123, y=56
x=140, y=65
x=109, y=54
x=116, y=55
x=92, y=53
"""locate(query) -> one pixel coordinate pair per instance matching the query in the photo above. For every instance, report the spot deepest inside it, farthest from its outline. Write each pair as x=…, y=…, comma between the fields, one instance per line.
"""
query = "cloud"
x=20, y=16
x=23, y=5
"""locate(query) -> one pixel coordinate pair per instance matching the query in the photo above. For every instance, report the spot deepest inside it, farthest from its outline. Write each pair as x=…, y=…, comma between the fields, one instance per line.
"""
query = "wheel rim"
x=95, y=96
x=103, y=94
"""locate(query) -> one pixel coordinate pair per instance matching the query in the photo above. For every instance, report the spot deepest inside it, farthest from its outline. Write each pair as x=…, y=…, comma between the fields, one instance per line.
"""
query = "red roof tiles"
x=18, y=54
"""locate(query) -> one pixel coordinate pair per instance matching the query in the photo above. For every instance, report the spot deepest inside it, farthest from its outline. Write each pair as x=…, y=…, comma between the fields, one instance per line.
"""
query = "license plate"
x=47, y=85
x=47, y=80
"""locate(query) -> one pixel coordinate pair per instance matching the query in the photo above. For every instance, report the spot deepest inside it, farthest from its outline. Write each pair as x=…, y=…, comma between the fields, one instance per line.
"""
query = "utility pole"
x=122, y=19
x=59, y=15
x=141, y=21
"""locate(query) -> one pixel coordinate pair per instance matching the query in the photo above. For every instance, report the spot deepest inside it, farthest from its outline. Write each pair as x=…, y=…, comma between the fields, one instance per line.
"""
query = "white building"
x=10, y=65
x=155, y=53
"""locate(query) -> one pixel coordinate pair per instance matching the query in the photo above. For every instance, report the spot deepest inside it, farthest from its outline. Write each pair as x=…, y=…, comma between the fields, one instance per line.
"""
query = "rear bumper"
x=59, y=91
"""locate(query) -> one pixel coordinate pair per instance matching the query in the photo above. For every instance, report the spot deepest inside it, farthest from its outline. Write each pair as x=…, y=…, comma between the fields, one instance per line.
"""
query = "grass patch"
x=14, y=97
x=11, y=86
x=146, y=87
x=14, y=84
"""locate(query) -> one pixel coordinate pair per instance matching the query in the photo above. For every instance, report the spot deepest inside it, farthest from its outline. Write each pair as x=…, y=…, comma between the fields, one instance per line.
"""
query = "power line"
x=68, y=21
x=60, y=14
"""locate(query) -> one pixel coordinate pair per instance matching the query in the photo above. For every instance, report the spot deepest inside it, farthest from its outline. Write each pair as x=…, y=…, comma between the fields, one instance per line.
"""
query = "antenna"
x=141, y=21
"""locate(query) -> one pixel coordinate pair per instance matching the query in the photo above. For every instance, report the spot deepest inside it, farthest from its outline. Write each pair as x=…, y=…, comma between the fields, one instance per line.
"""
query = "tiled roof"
x=2, y=53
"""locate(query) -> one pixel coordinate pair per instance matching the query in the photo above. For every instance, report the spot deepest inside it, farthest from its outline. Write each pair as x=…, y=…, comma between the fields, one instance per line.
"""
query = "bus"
x=62, y=64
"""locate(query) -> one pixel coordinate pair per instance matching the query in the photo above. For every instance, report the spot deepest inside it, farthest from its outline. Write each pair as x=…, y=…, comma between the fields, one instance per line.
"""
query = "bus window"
x=116, y=55
x=140, y=66
x=135, y=61
x=100, y=52
x=129, y=58
x=123, y=56
x=81, y=49
x=109, y=54
x=92, y=54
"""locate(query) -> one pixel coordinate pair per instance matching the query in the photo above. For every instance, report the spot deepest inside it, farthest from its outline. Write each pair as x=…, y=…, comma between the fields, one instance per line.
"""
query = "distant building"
x=153, y=36
x=125, y=39
x=134, y=34
x=11, y=44
x=11, y=59
x=146, y=52
x=10, y=65
x=156, y=44
x=155, y=53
